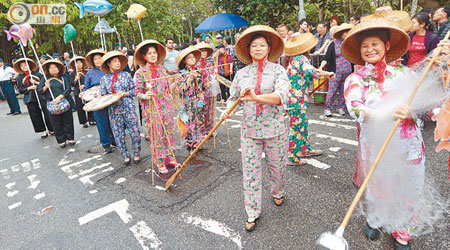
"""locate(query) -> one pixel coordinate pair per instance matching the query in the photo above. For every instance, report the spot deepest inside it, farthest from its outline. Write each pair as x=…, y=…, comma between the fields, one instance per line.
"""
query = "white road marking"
x=145, y=235
x=120, y=180
x=330, y=124
x=12, y=193
x=84, y=172
x=26, y=166
x=318, y=164
x=4, y=171
x=39, y=196
x=10, y=185
x=46, y=147
x=67, y=169
x=120, y=207
x=89, y=136
x=338, y=139
x=323, y=117
x=236, y=126
x=213, y=227
x=93, y=191
x=15, y=205
x=5, y=159
x=334, y=149
x=36, y=163
x=34, y=182
x=15, y=168
x=160, y=188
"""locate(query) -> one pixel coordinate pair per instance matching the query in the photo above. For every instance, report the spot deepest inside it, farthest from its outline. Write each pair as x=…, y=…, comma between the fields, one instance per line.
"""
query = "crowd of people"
x=362, y=59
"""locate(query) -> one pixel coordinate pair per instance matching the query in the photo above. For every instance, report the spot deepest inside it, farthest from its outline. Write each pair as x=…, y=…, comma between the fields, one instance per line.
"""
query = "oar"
x=336, y=241
x=174, y=176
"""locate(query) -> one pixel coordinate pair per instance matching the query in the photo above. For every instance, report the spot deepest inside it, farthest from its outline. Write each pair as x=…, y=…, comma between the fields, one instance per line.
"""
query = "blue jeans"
x=10, y=96
x=104, y=129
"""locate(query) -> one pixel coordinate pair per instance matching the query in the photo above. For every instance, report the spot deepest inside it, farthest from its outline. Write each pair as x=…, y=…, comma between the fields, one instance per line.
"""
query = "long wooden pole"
x=174, y=176
x=388, y=139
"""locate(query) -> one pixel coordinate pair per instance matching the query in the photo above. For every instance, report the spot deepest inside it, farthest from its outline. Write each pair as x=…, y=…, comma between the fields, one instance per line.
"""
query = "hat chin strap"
x=380, y=66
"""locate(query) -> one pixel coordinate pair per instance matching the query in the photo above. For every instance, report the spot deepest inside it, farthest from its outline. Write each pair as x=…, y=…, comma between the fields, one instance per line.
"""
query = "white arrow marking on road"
x=213, y=227
x=330, y=124
x=145, y=235
x=338, y=139
x=318, y=164
x=34, y=182
x=15, y=205
x=120, y=207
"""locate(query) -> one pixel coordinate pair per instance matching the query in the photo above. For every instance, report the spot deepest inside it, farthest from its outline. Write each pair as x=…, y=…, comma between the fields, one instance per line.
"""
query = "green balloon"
x=70, y=33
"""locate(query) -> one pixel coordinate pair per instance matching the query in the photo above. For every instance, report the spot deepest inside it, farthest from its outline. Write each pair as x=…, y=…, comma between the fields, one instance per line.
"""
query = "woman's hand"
x=59, y=98
x=34, y=87
x=178, y=78
x=248, y=94
x=148, y=95
x=47, y=84
x=77, y=77
x=34, y=81
x=402, y=112
x=445, y=47
x=225, y=115
x=124, y=94
x=81, y=87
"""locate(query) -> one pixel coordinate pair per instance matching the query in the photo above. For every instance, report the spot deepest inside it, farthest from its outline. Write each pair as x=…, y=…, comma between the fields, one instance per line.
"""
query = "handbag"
x=57, y=108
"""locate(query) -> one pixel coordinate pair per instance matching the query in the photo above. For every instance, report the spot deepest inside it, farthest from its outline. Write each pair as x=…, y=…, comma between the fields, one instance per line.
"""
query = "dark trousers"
x=72, y=103
x=2, y=98
x=10, y=96
x=81, y=113
x=103, y=127
x=36, y=116
x=63, y=126
x=224, y=90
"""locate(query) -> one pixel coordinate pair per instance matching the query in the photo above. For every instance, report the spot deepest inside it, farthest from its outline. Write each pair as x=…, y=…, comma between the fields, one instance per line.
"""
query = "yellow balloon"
x=136, y=11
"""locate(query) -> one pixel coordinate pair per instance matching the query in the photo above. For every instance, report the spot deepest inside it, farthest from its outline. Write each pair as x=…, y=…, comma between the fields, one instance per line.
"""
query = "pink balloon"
x=9, y=33
x=25, y=32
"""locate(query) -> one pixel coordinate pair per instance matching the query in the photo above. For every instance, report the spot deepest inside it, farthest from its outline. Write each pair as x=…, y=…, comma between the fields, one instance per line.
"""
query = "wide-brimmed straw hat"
x=184, y=53
x=31, y=63
x=77, y=58
x=57, y=62
x=90, y=57
x=398, y=39
x=160, y=50
x=402, y=18
x=300, y=44
x=110, y=55
x=206, y=46
x=340, y=29
x=242, y=47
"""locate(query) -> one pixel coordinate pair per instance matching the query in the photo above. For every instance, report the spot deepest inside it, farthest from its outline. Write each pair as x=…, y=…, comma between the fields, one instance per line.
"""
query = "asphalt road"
x=52, y=198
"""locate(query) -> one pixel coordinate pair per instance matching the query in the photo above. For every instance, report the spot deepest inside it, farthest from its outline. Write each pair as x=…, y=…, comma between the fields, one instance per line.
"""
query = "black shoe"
x=17, y=113
x=62, y=145
x=113, y=144
x=51, y=132
x=278, y=201
x=108, y=150
x=44, y=136
x=371, y=233
x=400, y=246
x=126, y=163
x=137, y=161
x=72, y=143
x=10, y=113
x=92, y=123
x=85, y=125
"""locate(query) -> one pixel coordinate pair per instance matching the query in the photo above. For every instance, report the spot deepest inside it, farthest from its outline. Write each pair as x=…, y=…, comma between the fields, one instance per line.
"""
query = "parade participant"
x=225, y=69
x=122, y=114
x=93, y=76
x=300, y=73
x=6, y=74
x=78, y=75
x=338, y=64
x=398, y=198
x=264, y=87
x=192, y=97
x=28, y=81
x=57, y=87
x=156, y=101
x=208, y=73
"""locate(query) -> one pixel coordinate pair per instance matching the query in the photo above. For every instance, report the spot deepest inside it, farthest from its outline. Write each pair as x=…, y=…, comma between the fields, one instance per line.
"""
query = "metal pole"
x=301, y=11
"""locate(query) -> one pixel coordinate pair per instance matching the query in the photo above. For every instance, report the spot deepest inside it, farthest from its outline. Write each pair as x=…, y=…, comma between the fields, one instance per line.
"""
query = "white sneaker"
x=341, y=111
x=327, y=112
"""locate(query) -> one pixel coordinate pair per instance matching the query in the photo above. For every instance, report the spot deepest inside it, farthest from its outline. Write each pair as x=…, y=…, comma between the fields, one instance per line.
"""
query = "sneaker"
x=341, y=111
x=327, y=112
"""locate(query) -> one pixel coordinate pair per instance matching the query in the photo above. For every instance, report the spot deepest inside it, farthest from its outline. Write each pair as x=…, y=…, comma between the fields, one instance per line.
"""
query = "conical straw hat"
x=123, y=60
x=398, y=39
x=139, y=59
x=341, y=28
x=242, y=48
x=184, y=53
x=90, y=57
x=402, y=18
x=72, y=62
x=206, y=46
x=300, y=44
x=59, y=64
x=31, y=63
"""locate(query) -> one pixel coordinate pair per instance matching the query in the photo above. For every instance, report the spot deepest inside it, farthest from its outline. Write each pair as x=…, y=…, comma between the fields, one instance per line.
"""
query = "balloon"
x=25, y=32
x=95, y=7
x=105, y=27
x=136, y=11
x=70, y=33
x=9, y=33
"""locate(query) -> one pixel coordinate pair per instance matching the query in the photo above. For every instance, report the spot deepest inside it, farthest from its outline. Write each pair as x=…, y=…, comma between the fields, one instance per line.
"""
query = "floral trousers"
x=118, y=124
x=336, y=89
x=298, y=135
x=252, y=150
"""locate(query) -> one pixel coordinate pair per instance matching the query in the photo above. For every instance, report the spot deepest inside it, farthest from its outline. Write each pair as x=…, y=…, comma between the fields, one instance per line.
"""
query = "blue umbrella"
x=221, y=21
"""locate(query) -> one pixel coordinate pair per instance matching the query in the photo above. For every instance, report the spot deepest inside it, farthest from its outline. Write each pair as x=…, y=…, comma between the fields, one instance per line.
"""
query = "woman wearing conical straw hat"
x=192, y=98
x=208, y=73
x=57, y=88
x=28, y=82
x=264, y=87
x=122, y=114
x=149, y=55
x=78, y=66
x=399, y=199
x=300, y=73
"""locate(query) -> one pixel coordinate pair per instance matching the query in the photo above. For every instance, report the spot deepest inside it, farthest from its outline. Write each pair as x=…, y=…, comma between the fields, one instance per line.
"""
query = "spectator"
x=423, y=40
x=283, y=31
x=355, y=19
x=66, y=61
x=303, y=26
x=428, y=11
x=208, y=39
x=6, y=74
x=56, y=56
x=334, y=20
x=219, y=39
x=225, y=69
x=312, y=27
x=170, y=62
x=198, y=40
x=324, y=38
x=124, y=50
x=440, y=16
